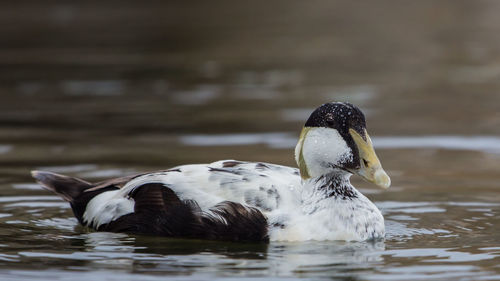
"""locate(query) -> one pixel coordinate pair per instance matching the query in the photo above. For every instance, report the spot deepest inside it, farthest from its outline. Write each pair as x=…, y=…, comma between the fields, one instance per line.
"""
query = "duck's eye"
x=365, y=162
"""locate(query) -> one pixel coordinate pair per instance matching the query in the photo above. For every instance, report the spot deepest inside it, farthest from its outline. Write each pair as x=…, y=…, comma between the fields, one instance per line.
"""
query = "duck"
x=235, y=200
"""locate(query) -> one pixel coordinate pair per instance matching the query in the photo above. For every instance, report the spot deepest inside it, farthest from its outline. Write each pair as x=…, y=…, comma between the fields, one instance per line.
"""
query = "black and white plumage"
x=245, y=201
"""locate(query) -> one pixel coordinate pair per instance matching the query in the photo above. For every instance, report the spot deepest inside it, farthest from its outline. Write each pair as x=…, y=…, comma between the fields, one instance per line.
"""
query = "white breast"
x=333, y=219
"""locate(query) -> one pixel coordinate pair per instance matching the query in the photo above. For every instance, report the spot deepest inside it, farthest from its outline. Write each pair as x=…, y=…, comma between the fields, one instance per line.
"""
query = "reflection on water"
x=100, y=90
x=272, y=140
x=478, y=143
x=289, y=140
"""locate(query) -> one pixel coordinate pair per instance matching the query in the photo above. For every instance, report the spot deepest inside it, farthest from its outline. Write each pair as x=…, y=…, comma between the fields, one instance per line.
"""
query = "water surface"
x=99, y=90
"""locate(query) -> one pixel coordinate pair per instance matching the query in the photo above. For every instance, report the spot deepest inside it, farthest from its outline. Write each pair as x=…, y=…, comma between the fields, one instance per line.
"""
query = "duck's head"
x=334, y=140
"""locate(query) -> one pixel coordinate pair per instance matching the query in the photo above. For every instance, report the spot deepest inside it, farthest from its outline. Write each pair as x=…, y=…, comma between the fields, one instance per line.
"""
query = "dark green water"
x=103, y=90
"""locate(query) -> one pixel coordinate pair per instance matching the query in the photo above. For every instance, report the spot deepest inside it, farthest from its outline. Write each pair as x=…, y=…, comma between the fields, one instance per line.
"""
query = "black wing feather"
x=159, y=211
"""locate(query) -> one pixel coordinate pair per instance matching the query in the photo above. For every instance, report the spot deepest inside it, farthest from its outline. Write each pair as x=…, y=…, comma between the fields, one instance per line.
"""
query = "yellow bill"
x=371, y=170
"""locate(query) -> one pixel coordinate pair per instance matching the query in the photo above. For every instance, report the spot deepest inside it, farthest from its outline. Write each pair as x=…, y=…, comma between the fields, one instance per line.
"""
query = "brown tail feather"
x=66, y=187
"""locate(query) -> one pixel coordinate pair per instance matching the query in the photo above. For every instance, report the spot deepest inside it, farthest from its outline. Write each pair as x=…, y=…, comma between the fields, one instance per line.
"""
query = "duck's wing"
x=223, y=200
x=261, y=185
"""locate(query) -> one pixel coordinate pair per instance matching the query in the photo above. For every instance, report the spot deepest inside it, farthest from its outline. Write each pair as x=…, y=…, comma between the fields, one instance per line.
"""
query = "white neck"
x=335, y=184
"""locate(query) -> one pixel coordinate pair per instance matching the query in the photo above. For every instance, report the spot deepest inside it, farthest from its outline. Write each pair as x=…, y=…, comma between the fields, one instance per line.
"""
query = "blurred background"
x=99, y=89
x=121, y=86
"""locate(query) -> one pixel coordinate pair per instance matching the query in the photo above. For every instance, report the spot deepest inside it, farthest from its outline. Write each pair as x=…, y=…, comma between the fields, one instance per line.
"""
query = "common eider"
x=246, y=201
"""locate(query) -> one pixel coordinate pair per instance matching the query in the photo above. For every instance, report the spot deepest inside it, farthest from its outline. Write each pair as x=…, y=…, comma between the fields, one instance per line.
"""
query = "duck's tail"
x=67, y=187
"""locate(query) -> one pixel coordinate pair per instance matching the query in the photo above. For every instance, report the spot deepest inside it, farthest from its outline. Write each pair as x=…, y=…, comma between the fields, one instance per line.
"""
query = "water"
x=98, y=90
